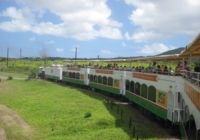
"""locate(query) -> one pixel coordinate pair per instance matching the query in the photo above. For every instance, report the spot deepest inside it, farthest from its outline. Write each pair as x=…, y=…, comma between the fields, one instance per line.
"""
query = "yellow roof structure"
x=193, y=49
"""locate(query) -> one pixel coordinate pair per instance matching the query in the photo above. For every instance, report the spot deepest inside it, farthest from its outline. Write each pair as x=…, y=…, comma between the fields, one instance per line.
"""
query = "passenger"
x=197, y=68
x=159, y=70
x=154, y=67
x=178, y=69
x=166, y=71
x=171, y=72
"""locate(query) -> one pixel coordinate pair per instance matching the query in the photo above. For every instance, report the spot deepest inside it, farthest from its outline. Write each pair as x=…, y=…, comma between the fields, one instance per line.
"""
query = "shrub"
x=32, y=75
x=87, y=115
x=10, y=78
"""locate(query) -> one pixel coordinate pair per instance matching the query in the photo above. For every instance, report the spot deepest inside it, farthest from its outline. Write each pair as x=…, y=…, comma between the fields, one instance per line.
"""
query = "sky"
x=104, y=28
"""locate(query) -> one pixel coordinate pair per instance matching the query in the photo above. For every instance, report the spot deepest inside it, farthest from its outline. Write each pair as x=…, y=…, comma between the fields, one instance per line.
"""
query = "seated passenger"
x=165, y=71
x=159, y=70
x=178, y=69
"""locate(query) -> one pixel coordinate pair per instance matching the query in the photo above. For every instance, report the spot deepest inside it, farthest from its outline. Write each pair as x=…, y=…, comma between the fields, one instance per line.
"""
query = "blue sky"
x=105, y=28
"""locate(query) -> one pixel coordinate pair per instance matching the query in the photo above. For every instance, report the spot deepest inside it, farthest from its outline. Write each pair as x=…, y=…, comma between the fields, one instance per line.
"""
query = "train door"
x=122, y=83
x=170, y=104
x=86, y=73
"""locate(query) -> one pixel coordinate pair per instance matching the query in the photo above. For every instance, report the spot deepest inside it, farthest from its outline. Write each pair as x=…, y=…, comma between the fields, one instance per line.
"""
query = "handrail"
x=192, y=77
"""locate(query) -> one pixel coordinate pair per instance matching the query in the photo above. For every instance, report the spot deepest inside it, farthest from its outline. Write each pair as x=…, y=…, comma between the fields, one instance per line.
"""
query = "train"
x=171, y=98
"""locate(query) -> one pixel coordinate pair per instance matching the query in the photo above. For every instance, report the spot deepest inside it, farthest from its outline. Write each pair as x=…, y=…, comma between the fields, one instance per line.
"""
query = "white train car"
x=54, y=72
x=110, y=81
x=155, y=92
x=76, y=75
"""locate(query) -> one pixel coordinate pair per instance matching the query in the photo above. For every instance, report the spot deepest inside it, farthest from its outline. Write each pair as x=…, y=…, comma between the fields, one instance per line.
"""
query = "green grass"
x=58, y=113
x=26, y=66
x=15, y=75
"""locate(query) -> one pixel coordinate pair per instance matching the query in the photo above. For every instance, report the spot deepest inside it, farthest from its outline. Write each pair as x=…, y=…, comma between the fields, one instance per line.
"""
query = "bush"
x=87, y=115
x=32, y=75
x=10, y=78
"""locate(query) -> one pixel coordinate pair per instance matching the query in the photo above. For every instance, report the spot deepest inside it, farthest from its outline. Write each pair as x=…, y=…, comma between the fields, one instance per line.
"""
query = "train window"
x=91, y=78
x=95, y=78
x=179, y=97
x=100, y=80
x=137, y=88
x=144, y=90
x=70, y=75
x=105, y=82
x=152, y=93
x=77, y=76
x=132, y=86
x=127, y=85
x=110, y=81
x=66, y=74
x=73, y=75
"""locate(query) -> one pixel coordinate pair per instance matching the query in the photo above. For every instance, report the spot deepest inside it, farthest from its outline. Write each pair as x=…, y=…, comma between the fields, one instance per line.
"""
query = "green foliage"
x=10, y=78
x=32, y=75
x=87, y=115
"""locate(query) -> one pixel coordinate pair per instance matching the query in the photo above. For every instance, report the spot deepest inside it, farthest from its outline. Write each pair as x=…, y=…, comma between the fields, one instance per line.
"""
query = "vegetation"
x=27, y=66
x=57, y=112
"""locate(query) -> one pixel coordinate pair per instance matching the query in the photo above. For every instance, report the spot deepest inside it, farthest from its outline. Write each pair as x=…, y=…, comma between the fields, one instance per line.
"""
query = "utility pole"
x=75, y=54
x=7, y=56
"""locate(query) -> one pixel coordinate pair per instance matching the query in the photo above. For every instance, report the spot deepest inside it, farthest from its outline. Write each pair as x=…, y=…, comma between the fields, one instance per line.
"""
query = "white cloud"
x=79, y=19
x=164, y=18
x=107, y=52
x=142, y=36
x=59, y=50
x=155, y=48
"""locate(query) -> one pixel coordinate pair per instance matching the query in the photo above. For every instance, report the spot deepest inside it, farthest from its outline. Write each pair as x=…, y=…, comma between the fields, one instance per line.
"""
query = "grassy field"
x=26, y=66
x=12, y=74
x=56, y=112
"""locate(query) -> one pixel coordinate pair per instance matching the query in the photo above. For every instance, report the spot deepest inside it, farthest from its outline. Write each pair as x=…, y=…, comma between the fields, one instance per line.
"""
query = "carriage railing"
x=192, y=77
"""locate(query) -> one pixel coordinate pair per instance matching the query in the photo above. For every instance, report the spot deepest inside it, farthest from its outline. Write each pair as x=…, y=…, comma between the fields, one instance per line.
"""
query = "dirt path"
x=2, y=134
x=12, y=125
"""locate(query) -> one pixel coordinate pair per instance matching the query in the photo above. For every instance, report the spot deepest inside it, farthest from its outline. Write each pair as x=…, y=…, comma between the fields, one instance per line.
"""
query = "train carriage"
x=110, y=81
x=54, y=72
x=76, y=75
x=152, y=91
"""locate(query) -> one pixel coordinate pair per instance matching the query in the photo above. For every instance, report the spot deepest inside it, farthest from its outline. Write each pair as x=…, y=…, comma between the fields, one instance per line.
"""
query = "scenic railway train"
x=172, y=97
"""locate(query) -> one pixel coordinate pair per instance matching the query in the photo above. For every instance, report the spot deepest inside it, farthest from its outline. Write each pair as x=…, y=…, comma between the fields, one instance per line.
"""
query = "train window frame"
x=100, y=79
x=77, y=75
x=110, y=81
x=127, y=85
x=91, y=78
x=144, y=92
x=73, y=75
x=70, y=74
x=149, y=97
x=132, y=86
x=136, y=92
x=95, y=79
x=105, y=79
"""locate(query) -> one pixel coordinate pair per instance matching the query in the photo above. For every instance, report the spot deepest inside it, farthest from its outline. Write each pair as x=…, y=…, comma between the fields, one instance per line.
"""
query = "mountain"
x=172, y=52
